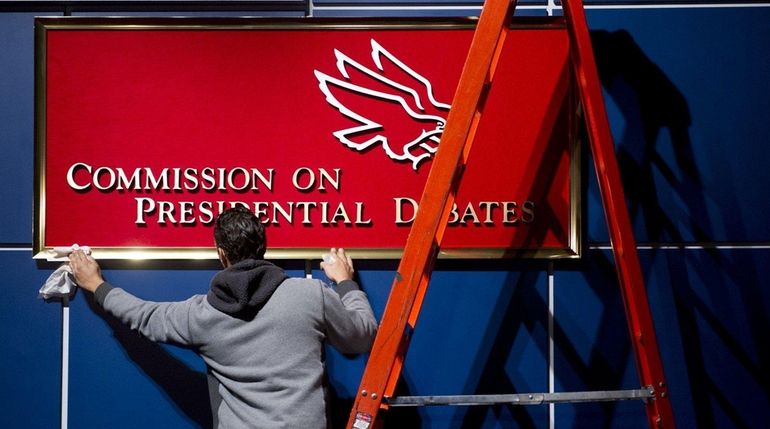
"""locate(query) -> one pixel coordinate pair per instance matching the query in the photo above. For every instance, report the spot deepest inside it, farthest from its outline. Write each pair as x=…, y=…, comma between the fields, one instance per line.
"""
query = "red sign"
x=147, y=129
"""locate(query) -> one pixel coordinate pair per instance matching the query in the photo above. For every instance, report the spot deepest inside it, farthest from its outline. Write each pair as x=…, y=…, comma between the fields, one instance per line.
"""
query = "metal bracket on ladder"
x=522, y=398
x=410, y=284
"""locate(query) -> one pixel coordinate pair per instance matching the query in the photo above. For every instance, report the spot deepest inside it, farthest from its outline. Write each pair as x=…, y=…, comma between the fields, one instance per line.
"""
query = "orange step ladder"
x=385, y=362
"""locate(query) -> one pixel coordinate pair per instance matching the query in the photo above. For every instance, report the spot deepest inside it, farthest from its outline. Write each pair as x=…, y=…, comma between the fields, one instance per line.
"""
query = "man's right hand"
x=340, y=266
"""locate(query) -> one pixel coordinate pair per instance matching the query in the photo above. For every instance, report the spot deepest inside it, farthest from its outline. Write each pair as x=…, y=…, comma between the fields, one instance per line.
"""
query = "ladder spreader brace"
x=410, y=284
x=521, y=398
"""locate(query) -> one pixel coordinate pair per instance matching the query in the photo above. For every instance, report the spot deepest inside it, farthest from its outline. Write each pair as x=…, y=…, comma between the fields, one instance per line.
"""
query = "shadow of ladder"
x=385, y=362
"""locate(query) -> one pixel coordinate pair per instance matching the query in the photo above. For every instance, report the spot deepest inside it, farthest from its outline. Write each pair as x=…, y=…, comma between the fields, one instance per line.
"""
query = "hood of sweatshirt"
x=242, y=289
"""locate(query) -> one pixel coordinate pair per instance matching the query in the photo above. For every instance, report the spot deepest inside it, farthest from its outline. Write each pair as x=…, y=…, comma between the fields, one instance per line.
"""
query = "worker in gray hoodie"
x=260, y=332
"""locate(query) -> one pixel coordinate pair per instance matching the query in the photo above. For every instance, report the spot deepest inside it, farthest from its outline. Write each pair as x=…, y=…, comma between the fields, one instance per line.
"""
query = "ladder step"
x=522, y=398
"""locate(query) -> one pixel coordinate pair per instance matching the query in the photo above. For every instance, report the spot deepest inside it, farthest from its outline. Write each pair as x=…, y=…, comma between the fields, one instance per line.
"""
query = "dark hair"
x=240, y=234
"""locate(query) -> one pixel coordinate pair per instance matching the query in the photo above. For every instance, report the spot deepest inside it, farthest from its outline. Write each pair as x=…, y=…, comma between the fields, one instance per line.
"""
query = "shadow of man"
x=186, y=388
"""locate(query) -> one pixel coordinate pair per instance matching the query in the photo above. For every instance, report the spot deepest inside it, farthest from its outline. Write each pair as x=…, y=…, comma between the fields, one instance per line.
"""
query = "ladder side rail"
x=386, y=357
x=640, y=324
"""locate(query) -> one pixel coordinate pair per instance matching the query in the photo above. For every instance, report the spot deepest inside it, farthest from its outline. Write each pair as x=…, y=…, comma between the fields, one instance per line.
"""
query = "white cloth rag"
x=61, y=283
x=62, y=253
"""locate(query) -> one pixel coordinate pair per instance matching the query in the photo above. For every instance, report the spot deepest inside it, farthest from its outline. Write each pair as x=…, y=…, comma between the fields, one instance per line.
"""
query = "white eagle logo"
x=372, y=92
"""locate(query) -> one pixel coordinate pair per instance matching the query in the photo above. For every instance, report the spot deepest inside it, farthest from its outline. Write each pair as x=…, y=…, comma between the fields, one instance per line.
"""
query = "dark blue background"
x=687, y=96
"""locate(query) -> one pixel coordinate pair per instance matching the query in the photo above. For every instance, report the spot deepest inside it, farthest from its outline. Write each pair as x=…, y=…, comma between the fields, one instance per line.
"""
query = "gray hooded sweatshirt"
x=261, y=335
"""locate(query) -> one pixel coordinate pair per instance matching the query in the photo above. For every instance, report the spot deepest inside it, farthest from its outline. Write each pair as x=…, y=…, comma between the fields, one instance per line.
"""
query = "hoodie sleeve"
x=166, y=322
x=350, y=322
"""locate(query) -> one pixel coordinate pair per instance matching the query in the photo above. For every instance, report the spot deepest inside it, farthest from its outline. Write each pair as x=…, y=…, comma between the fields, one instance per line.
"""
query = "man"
x=260, y=332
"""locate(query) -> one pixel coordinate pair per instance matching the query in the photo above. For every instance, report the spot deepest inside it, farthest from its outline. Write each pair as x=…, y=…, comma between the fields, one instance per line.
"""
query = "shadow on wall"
x=186, y=388
x=651, y=104
x=522, y=308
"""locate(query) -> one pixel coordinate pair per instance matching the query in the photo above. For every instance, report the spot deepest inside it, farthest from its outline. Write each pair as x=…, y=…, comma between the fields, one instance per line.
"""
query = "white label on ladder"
x=363, y=421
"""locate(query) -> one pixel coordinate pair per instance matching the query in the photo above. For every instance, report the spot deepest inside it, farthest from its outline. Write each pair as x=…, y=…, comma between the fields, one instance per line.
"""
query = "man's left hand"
x=86, y=270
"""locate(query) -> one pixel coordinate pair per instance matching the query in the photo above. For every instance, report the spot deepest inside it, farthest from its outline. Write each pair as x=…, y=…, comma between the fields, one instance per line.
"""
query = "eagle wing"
x=362, y=92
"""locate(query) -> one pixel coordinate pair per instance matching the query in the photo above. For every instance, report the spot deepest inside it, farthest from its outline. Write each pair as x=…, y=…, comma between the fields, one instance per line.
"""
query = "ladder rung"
x=521, y=398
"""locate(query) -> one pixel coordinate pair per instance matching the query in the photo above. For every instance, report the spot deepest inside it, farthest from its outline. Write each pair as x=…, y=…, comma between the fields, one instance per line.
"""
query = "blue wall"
x=687, y=94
